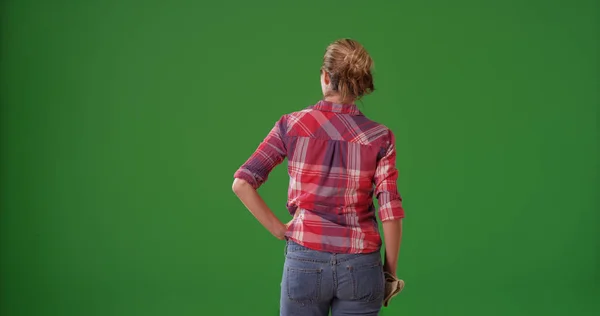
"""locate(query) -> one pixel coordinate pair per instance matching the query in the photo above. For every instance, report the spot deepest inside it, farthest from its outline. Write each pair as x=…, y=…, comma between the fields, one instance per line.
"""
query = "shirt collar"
x=329, y=106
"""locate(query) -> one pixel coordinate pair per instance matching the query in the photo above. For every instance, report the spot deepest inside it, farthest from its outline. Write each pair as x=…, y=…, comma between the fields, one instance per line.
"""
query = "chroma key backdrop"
x=122, y=123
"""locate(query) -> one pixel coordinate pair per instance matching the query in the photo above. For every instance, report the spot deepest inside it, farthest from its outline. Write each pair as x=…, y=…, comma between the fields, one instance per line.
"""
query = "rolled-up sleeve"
x=386, y=189
x=270, y=153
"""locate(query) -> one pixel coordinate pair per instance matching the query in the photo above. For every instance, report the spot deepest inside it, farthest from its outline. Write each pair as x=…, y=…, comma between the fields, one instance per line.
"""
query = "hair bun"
x=358, y=62
x=349, y=65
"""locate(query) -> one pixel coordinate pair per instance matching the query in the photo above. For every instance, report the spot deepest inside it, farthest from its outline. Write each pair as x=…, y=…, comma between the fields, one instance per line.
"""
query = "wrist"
x=389, y=268
x=279, y=230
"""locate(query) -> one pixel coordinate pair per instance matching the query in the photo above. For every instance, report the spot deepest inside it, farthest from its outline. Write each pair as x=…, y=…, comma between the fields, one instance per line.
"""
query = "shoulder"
x=289, y=120
x=297, y=114
x=291, y=117
x=373, y=132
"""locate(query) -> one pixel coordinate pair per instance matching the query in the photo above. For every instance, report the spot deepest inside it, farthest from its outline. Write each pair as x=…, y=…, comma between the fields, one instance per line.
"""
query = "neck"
x=335, y=98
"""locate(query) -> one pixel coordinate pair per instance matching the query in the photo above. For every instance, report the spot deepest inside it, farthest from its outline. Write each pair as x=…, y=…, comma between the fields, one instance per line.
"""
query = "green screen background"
x=122, y=123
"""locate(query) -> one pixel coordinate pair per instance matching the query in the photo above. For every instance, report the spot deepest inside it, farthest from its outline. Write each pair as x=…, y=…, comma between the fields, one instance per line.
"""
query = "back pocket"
x=303, y=285
x=368, y=282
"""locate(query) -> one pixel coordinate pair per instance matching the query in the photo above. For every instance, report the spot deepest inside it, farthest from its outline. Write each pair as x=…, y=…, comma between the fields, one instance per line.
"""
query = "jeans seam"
x=306, y=260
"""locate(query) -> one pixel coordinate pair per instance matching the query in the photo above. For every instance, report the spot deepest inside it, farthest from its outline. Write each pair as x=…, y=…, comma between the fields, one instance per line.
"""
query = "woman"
x=338, y=160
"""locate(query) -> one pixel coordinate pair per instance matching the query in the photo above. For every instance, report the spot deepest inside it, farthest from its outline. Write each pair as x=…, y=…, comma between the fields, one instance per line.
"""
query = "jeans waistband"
x=295, y=250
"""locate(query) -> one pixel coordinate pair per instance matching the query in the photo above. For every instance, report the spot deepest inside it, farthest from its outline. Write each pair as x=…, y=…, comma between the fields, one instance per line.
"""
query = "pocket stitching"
x=373, y=296
x=317, y=272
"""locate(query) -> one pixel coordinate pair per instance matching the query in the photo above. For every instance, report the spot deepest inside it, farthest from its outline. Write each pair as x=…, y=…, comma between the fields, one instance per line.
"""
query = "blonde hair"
x=349, y=67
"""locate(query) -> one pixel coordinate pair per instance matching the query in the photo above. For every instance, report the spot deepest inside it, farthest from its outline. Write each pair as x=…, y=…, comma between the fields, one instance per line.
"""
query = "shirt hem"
x=334, y=249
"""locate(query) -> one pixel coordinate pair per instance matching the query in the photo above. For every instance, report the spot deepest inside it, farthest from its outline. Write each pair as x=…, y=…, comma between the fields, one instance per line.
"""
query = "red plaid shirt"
x=338, y=160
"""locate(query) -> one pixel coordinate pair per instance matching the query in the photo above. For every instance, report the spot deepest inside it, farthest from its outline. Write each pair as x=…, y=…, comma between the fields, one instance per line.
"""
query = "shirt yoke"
x=336, y=126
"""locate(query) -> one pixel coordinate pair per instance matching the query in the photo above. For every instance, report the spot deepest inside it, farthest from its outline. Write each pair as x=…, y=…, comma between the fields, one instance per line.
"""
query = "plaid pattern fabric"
x=338, y=161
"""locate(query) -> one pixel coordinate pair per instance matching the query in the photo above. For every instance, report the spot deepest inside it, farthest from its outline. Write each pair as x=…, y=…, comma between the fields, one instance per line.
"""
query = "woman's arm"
x=391, y=211
x=257, y=206
x=255, y=171
x=392, y=231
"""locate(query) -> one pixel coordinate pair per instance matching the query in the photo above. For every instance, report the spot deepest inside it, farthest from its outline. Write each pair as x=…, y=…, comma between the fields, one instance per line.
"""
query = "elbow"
x=239, y=185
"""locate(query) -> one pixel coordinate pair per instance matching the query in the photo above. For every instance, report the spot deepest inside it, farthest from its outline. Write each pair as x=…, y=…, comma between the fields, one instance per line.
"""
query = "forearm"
x=392, y=231
x=257, y=206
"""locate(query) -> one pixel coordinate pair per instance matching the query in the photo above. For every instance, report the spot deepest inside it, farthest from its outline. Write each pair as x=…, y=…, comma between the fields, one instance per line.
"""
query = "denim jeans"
x=315, y=282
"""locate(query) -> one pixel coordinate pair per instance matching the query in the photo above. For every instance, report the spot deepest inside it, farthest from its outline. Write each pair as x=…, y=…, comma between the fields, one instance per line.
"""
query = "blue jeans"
x=315, y=282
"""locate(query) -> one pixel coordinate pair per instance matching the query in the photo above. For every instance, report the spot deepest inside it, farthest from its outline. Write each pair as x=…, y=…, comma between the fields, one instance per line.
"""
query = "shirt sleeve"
x=270, y=153
x=386, y=189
